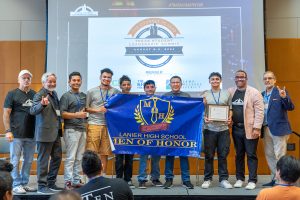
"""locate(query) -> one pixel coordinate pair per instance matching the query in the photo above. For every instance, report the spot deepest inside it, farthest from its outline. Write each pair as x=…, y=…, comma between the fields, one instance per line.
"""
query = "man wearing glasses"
x=248, y=114
x=276, y=125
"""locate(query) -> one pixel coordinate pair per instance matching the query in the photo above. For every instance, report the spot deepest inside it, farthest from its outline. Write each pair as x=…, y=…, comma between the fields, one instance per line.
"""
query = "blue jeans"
x=75, y=146
x=17, y=146
x=155, y=172
x=184, y=167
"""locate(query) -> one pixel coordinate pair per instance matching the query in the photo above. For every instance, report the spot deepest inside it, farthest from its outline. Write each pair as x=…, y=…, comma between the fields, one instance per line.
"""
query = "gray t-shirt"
x=95, y=98
x=73, y=102
x=214, y=98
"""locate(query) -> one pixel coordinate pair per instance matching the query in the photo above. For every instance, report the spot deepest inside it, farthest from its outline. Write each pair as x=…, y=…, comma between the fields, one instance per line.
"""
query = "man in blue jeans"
x=176, y=83
x=19, y=128
x=149, y=88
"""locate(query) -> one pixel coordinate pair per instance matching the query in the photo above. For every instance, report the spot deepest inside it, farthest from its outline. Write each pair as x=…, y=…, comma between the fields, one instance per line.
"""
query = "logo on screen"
x=84, y=10
x=154, y=114
x=154, y=42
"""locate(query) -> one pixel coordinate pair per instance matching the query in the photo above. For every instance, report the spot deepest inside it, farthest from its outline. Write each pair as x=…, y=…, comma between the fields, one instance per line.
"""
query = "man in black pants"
x=125, y=169
x=248, y=116
x=47, y=134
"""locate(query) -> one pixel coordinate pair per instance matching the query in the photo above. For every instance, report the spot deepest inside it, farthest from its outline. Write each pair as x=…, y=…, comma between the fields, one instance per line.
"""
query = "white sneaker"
x=238, y=184
x=206, y=184
x=225, y=184
x=19, y=190
x=27, y=188
x=250, y=186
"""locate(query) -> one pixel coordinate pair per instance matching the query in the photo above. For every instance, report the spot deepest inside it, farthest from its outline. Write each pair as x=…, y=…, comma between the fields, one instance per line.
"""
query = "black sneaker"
x=55, y=188
x=168, y=184
x=271, y=184
x=142, y=185
x=188, y=185
x=157, y=183
x=45, y=190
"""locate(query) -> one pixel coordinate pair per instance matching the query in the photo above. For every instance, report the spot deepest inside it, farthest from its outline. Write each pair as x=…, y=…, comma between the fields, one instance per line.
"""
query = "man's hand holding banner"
x=155, y=125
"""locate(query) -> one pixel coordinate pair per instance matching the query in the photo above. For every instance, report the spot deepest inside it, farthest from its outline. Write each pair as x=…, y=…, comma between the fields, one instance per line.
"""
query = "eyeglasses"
x=242, y=78
x=175, y=82
x=268, y=78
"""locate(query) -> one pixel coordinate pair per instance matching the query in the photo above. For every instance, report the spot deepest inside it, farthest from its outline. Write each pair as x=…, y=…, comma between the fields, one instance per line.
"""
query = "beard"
x=51, y=89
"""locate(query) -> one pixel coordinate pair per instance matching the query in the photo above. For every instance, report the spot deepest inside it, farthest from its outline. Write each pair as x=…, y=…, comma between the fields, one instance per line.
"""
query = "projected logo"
x=154, y=42
x=154, y=114
x=84, y=10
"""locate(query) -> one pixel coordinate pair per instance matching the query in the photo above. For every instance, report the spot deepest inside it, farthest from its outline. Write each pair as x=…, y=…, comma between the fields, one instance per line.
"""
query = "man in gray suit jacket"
x=47, y=129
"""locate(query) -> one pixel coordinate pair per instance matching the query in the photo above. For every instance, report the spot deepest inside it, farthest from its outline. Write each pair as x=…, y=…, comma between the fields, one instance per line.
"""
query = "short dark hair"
x=176, y=77
x=149, y=82
x=74, y=74
x=243, y=71
x=107, y=70
x=215, y=74
x=5, y=166
x=289, y=168
x=124, y=78
x=5, y=183
x=66, y=195
x=91, y=163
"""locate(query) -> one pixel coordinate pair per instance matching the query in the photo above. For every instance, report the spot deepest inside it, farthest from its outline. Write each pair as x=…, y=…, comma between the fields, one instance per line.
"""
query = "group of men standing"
x=36, y=118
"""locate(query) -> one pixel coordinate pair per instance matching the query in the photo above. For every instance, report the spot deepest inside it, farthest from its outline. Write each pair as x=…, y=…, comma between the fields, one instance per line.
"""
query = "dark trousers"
x=243, y=145
x=216, y=140
x=124, y=167
x=45, y=150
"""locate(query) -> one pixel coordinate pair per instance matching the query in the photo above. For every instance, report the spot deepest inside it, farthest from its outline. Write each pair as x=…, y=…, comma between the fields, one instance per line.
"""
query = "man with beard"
x=248, y=116
x=19, y=126
x=47, y=134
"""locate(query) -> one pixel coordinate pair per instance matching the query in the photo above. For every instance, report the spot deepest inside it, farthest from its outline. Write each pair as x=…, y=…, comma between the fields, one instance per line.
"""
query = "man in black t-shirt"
x=248, y=114
x=19, y=129
x=98, y=186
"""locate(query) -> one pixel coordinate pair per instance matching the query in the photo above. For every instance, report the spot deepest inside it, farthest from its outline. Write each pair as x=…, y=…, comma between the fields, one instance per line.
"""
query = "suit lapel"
x=246, y=99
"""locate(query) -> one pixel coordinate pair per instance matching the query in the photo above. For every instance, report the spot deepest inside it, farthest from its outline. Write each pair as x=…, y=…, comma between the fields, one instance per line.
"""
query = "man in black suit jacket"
x=47, y=129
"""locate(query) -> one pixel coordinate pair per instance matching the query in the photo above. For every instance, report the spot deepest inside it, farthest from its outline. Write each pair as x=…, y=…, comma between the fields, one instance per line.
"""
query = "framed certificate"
x=218, y=112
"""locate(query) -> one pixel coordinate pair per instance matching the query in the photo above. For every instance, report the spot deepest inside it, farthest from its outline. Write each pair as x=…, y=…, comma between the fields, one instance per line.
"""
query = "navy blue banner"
x=155, y=125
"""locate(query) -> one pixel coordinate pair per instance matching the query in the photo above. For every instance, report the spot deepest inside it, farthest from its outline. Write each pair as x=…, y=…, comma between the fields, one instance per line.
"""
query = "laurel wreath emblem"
x=139, y=119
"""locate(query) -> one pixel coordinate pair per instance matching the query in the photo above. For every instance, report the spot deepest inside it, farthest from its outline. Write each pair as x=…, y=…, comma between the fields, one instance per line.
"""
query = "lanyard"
x=217, y=102
x=106, y=96
x=78, y=106
x=285, y=185
x=267, y=96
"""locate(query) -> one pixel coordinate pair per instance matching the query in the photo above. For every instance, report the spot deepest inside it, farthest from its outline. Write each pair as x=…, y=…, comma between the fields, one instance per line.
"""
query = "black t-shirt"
x=22, y=123
x=238, y=106
x=105, y=188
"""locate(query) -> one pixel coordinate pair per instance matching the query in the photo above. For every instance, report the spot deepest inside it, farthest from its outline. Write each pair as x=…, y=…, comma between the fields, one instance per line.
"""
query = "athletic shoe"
x=188, y=185
x=157, y=183
x=55, y=188
x=168, y=184
x=225, y=184
x=250, y=186
x=19, y=190
x=142, y=185
x=27, y=188
x=238, y=184
x=270, y=184
x=206, y=184
x=130, y=184
x=45, y=190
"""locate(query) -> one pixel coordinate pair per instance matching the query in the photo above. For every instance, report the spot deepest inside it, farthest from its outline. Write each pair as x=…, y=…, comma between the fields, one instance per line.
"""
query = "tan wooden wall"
x=283, y=58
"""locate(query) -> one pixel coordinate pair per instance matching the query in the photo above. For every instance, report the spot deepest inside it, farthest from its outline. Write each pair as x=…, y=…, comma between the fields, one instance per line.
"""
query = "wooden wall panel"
x=33, y=58
x=9, y=61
